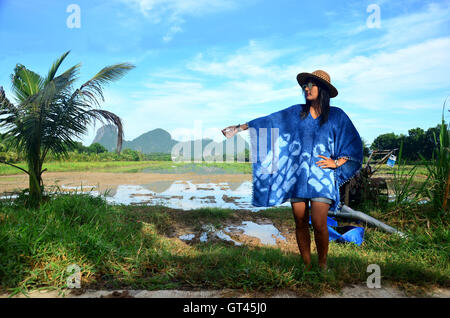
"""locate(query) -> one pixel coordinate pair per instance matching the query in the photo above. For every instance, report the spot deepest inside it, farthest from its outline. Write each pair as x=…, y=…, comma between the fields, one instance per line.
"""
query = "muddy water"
x=182, y=191
x=267, y=233
x=187, y=194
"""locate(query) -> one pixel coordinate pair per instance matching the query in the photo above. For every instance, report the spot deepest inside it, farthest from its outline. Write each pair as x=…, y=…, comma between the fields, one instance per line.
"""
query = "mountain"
x=159, y=140
x=107, y=137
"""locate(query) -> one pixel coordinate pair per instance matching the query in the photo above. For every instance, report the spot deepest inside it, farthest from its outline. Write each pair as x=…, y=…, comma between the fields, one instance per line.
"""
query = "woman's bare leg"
x=319, y=213
x=301, y=216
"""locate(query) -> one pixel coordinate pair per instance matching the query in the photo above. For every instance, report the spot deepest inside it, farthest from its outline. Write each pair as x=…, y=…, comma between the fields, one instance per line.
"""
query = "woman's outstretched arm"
x=230, y=131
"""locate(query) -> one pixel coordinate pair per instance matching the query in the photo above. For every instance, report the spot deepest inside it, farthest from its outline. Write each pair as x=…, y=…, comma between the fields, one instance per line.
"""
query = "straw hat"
x=322, y=77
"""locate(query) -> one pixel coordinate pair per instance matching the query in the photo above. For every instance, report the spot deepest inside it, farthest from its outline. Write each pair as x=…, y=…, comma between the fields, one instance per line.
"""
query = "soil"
x=352, y=291
x=105, y=180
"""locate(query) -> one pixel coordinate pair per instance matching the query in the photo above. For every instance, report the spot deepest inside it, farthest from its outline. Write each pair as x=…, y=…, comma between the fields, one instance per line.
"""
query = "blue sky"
x=213, y=63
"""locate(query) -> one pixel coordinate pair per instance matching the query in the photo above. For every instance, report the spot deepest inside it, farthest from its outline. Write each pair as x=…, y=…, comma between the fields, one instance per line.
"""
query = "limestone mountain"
x=160, y=141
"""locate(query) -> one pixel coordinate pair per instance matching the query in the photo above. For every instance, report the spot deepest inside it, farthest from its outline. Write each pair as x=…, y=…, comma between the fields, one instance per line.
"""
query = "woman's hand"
x=230, y=131
x=326, y=163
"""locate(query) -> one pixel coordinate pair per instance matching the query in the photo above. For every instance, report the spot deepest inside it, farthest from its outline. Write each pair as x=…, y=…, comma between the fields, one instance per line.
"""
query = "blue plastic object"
x=353, y=234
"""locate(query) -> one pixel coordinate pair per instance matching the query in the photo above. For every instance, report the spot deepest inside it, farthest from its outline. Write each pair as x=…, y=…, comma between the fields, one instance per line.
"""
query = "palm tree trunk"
x=35, y=180
x=35, y=195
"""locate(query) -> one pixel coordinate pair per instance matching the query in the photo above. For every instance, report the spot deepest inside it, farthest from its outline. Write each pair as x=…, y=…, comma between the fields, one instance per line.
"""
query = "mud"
x=179, y=191
x=104, y=180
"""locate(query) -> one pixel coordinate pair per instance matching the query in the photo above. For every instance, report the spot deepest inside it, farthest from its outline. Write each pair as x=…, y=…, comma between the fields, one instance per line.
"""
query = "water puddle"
x=266, y=233
x=187, y=237
x=179, y=194
x=79, y=188
x=209, y=232
x=187, y=195
x=391, y=198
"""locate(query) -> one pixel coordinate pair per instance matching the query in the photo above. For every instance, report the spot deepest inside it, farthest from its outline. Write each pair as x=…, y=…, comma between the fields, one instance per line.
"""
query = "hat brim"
x=302, y=77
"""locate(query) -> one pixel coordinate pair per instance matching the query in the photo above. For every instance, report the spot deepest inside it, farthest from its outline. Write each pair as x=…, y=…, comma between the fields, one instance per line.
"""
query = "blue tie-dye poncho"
x=285, y=149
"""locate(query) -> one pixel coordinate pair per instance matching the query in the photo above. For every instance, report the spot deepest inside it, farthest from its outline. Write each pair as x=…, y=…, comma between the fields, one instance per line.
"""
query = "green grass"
x=130, y=166
x=135, y=166
x=385, y=169
x=131, y=247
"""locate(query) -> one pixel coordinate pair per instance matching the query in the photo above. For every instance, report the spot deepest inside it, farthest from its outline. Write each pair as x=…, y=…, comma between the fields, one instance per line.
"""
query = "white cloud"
x=158, y=8
x=252, y=61
x=374, y=83
x=374, y=80
x=222, y=88
x=421, y=25
x=174, y=12
x=172, y=31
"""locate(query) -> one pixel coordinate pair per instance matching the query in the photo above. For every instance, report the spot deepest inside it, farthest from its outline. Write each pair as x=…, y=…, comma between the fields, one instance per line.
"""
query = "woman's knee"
x=319, y=225
x=301, y=215
x=301, y=223
x=319, y=216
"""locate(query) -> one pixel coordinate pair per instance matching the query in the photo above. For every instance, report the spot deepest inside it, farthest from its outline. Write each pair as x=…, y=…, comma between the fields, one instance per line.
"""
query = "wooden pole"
x=347, y=194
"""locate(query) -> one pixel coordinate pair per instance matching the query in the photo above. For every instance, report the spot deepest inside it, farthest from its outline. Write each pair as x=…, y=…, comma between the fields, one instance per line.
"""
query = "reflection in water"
x=210, y=231
x=186, y=195
x=79, y=188
x=183, y=195
x=187, y=237
x=267, y=233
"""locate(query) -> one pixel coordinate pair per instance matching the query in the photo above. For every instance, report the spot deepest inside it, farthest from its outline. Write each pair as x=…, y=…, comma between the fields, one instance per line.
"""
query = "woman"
x=313, y=149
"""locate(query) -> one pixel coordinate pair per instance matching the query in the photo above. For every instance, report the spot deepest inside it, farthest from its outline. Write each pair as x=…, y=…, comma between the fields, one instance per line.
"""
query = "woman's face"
x=311, y=93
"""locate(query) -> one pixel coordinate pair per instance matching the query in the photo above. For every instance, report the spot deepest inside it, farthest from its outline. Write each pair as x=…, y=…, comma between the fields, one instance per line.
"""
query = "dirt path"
x=105, y=180
x=353, y=291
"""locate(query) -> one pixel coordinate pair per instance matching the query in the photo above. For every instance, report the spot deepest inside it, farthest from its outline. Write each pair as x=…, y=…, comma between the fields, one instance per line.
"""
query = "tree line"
x=418, y=141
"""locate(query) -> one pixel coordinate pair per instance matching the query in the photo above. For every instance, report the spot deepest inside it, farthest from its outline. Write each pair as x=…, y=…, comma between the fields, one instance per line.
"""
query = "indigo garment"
x=285, y=149
x=353, y=234
x=319, y=199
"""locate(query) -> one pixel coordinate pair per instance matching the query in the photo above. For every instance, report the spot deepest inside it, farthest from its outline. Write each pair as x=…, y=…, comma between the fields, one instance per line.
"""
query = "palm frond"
x=63, y=120
x=66, y=79
x=52, y=72
x=10, y=120
x=6, y=107
x=92, y=89
x=112, y=118
x=25, y=83
x=59, y=88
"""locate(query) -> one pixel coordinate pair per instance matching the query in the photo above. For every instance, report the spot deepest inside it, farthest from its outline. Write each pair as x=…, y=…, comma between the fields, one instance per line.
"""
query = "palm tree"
x=49, y=113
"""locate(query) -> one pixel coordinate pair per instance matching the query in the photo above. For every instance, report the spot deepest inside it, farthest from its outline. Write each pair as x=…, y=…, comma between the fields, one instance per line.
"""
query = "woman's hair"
x=324, y=99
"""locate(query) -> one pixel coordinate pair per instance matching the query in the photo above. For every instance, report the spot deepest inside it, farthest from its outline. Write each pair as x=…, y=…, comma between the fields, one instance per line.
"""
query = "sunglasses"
x=309, y=85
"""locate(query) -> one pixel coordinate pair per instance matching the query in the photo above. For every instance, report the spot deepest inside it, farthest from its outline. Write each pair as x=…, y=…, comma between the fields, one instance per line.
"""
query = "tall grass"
x=438, y=181
x=402, y=181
